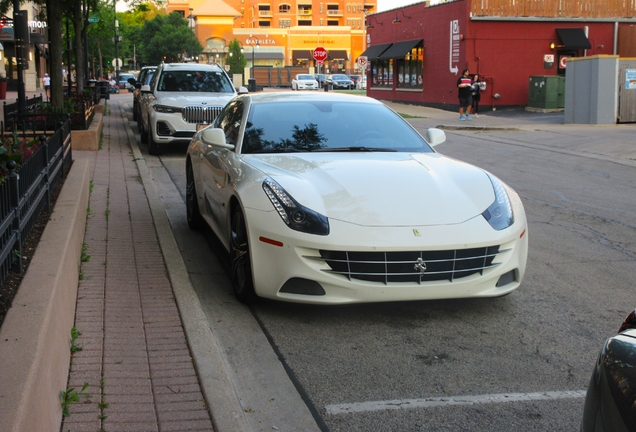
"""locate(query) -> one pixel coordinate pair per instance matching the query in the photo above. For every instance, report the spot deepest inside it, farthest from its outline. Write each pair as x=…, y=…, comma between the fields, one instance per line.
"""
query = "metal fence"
x=26, y=192
x=42, y=118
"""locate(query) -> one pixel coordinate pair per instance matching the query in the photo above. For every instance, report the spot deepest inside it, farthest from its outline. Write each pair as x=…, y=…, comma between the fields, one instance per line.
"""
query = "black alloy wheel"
x=242, y=281
x=195, y=220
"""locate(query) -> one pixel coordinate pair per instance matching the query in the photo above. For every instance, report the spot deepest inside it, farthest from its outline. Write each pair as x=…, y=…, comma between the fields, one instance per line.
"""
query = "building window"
x=181, y=12
x=332, y=22
x=264, y=23
x=322, y=22
x=304, y=22
x=382, y=73
x=284, y=8
x=284, y=23
x=410, y=69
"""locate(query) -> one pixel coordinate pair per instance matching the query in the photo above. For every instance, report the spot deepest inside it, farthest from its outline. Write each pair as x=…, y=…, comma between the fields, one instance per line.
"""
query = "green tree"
x=235, y=58
x=168, y=38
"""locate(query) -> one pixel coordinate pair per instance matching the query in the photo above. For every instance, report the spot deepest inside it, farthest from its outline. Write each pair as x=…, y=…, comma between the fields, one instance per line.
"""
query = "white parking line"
x=452, y=400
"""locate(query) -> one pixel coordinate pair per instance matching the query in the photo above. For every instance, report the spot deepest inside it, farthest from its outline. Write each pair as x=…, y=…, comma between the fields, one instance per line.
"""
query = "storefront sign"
x=454, y=46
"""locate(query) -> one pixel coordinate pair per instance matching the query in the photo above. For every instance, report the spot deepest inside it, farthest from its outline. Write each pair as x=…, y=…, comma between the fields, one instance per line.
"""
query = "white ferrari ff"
x=331, y=198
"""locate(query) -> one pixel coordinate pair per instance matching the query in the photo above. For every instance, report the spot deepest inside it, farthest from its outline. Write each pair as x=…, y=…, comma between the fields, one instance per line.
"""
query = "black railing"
x=26, y=192
x=42, y=118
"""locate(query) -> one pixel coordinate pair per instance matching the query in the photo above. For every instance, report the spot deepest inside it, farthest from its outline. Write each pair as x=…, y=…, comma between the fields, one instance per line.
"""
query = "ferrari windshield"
x=303, y=126
x=195, y=81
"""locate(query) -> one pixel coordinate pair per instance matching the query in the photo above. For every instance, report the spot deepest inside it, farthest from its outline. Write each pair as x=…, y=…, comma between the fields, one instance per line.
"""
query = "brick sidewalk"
x=135, y=356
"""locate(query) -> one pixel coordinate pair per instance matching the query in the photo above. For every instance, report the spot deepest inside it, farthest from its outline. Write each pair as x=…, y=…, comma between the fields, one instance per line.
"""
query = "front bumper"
x=273, y=266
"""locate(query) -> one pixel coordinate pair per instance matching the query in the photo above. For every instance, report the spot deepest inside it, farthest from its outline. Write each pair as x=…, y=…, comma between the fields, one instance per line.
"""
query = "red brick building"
x=416, y=53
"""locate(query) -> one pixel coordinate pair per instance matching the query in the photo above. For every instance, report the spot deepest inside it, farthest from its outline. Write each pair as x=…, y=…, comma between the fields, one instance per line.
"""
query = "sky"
x=392, y=4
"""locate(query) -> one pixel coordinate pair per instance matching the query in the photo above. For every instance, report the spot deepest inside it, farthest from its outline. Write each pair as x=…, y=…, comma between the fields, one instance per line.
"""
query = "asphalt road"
x=521, y=362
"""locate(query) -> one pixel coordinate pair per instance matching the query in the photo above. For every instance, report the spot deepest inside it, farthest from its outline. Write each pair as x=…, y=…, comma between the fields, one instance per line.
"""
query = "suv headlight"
x=295, y=215
x=499, y=215
x=166, y=109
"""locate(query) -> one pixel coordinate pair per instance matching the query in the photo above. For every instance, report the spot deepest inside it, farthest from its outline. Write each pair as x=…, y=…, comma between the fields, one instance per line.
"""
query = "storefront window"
x=409, y=69
x=382, y=73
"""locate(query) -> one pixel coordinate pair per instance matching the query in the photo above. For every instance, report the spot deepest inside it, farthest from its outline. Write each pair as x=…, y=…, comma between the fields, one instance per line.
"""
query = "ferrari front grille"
x=200, y=114
x=411, y=266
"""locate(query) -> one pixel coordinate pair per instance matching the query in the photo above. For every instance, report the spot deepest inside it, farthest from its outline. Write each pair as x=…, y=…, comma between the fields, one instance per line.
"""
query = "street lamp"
x=254, y=43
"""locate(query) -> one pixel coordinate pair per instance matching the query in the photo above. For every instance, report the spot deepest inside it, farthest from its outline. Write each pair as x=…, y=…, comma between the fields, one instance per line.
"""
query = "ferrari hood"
x=382, y=189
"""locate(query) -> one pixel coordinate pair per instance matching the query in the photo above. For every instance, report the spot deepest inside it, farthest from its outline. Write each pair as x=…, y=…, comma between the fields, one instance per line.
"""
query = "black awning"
x=400, y=49
x=302, y=55
x=573, y=38
x=337, y=55
x=373, y=52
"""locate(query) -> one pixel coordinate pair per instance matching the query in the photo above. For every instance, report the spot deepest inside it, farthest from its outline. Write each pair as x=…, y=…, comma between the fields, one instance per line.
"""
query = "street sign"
x=93, y=19
x=362, y=61
x=320, y=54
x=117, y=62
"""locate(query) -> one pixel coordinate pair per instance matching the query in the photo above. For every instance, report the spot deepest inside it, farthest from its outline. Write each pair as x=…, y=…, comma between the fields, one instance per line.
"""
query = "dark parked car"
x=145, y=75
x=340, y=81
x=321, y=78
x=123, y=83
x=610, y=403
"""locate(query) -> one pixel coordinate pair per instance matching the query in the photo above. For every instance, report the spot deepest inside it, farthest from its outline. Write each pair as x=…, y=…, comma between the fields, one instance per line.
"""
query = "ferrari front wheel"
x=242, y=281
x=195, y=220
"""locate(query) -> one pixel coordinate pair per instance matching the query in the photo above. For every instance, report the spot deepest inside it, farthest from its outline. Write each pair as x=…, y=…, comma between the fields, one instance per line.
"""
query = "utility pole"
x=21, y=37
x=116, y=43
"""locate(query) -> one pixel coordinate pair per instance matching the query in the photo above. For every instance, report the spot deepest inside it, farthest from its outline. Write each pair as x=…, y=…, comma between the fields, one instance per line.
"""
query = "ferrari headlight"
x=166, y=109
x=295, y=215
x=499, y=215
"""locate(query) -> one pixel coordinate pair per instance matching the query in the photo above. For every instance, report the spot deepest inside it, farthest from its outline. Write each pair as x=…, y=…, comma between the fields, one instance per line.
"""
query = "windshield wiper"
x=354, y=149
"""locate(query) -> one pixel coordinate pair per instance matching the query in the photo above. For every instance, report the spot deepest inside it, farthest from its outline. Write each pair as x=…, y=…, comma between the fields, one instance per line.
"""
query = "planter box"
x=88, y=139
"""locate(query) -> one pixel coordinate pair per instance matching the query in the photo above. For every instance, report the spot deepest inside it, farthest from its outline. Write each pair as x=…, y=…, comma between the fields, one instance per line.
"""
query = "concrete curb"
x=216, y=384
x=481, y=128
x=34, y=338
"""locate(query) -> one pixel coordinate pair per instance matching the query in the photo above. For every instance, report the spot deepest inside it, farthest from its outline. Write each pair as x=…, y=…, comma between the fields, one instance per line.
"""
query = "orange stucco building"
x=280, y=33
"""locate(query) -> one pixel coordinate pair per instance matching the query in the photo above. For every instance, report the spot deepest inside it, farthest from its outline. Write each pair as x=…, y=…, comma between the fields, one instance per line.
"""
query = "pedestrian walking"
x=476, y=95
x=464, y=84
x=46, y=81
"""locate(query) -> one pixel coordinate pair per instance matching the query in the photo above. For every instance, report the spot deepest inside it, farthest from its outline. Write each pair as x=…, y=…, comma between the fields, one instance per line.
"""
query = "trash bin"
x=251, y=85
x=104, y=89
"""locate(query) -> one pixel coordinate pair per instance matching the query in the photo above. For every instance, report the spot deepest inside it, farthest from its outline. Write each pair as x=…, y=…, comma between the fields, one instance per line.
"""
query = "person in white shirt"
x=46, y=80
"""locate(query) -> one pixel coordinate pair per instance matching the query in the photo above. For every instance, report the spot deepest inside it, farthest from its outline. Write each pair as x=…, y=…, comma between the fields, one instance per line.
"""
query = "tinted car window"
x=194, y=81
x=230, y=121
x=317, y=125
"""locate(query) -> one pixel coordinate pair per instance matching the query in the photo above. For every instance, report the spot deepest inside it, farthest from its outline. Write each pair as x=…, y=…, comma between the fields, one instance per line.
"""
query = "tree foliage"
x=235, y=58
x=168, y=38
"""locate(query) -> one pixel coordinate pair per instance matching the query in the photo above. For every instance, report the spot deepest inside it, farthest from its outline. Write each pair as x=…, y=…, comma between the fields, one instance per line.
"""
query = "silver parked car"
x=181, y=96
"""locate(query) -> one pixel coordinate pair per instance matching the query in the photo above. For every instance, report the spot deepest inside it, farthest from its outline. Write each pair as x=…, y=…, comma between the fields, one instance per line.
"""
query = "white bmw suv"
x=179, y=97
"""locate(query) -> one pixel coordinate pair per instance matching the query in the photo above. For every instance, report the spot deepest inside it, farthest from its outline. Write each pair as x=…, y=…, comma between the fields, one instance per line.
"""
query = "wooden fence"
x=277, y=77
x=554, y=8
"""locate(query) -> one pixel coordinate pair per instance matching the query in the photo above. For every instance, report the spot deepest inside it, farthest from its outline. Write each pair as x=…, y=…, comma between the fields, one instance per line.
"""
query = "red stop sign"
x=320, y=54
